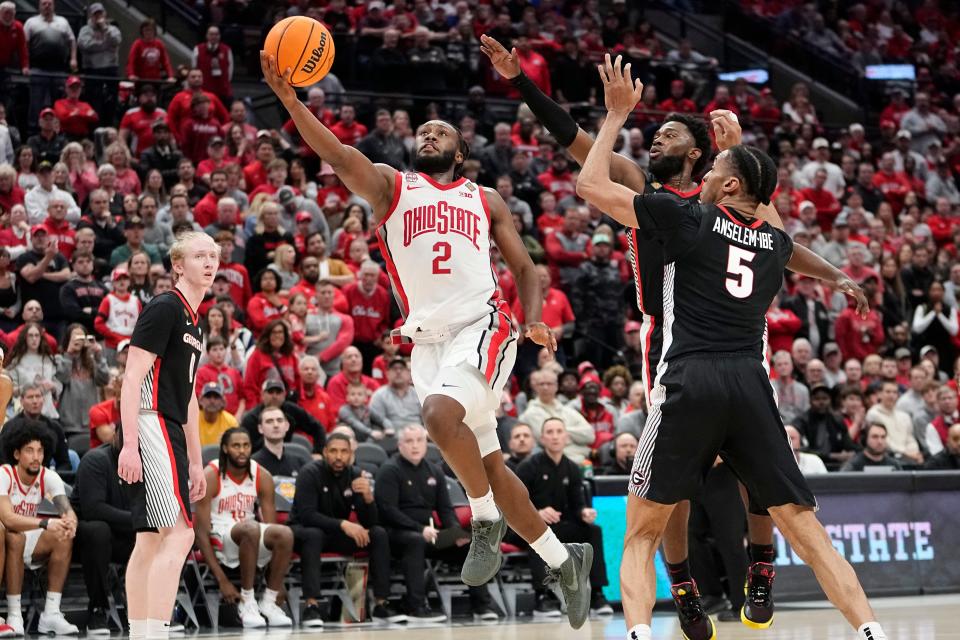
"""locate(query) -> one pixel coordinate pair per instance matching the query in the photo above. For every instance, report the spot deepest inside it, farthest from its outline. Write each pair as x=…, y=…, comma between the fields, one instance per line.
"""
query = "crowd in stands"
x=96, y=184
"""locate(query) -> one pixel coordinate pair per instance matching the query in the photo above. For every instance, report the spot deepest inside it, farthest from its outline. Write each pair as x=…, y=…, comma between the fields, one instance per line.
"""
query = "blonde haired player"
x=160, y=459
x=435, y=231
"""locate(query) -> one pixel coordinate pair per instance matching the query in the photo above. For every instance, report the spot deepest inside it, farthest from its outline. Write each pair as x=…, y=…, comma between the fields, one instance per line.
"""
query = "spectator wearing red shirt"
x=77, y=118
x=180, y=107
x=765, y=112
x=104, y=419
x=826, y=203
x=276, y=178
x=136, y=125
x=369, y=304
x=596, y=413
x=215, y=60
x=859, y=337
x=549, y=219
x=205, y=212
x=782, y=327
x=57, y=226
x=13, y=42
x=894, y=185
x=722, y=100
x=234, y=272
x=148, y=58
x=347, y=130
x=947, y=414
x=10, y=192
x=312, y=396
x=676, y=102
x=533, y=65
x=894, y=111
x=351, y=371
x=558, y=179
x=216, y=369
x=217, y=158
x=898, y=45
x=197, y=130
x=267, y=304
x=856, y=267
x=273, y=357
x=255, y=174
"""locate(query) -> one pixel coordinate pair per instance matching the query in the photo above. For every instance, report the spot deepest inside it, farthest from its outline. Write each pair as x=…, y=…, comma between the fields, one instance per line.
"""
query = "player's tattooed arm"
x=62, y=503
x=594, y=185
x=554, y=117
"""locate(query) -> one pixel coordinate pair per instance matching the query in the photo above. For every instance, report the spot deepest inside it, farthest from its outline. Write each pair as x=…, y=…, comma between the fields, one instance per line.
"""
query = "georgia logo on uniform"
x=636, y=478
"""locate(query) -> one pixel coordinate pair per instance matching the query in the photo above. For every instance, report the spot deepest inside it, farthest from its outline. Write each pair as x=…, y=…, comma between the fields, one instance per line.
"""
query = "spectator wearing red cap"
x=48, y=144
x=118, y=312
x=148, y=58
x=677, y=102
x=593, y=411
x=765, y=111
x=77, y=118
x=215, y=60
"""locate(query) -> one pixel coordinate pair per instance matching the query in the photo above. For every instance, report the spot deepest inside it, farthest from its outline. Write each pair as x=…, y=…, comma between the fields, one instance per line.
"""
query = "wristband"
x=43, y=523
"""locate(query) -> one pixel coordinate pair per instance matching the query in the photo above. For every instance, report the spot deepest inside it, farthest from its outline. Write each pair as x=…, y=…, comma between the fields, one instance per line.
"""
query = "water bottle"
x=586, y=468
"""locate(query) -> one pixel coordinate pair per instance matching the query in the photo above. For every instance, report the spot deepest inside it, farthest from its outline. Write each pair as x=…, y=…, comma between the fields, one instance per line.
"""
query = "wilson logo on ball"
x=315, y=55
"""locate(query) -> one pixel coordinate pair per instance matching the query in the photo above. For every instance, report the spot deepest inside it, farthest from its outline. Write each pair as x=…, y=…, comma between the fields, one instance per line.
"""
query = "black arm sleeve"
x=388, y=497
x=554, y=117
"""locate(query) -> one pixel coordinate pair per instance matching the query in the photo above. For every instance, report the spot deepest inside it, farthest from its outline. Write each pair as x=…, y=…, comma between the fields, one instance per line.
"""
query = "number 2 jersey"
x=721, y=270
x=646, y=259
x=168, y=327
x=435, y=239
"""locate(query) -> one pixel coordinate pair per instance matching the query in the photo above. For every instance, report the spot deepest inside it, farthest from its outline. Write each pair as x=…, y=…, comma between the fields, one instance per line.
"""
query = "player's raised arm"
x=555, y=118
x=621, y=95
x=521, y=266
x=373, y=183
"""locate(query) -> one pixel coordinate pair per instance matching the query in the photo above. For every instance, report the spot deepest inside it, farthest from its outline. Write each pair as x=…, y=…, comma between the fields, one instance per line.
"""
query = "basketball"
x=302, y=44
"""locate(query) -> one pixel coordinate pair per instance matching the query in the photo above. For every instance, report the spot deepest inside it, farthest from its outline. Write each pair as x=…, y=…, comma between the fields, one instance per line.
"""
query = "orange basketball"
x=302, y=44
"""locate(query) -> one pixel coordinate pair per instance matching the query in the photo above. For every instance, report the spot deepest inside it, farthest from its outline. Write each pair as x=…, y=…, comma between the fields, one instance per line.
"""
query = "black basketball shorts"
x=706, y=406
x=164, y=492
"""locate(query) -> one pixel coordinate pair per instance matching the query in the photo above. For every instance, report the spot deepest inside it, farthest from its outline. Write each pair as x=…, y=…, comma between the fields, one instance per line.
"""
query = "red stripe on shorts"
x=496, y=341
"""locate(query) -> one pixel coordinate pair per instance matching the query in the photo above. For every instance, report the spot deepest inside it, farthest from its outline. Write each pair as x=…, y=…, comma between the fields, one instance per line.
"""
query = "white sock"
x=13, y=606
x=871, y=631
x=247, y=595
x=639, y=632
x=484, y=508
x=52, y=605
x=138, y=629
x=158, y=628
x=269, y=596
x=550, y=549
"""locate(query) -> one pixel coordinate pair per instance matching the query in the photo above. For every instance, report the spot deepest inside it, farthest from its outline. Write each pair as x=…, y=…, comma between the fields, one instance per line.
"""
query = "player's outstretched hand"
x=279, y=83
x=129, y=465
x=542, y=335
x=852, y=289
x=505, y=62
x=198, y=483
x=621, y=92
x=726, y=128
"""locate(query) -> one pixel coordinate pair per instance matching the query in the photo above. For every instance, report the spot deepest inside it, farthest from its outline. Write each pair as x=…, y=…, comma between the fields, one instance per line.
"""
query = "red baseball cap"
x=74, y=80
x=584, y=366
x=632, y=326
x=303, y=216
x=37, y=228
x=587, y=379
x=48, y=112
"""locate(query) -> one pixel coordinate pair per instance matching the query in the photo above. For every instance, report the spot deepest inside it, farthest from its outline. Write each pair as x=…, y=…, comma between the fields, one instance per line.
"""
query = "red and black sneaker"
x=757, y=612
x=694, y=622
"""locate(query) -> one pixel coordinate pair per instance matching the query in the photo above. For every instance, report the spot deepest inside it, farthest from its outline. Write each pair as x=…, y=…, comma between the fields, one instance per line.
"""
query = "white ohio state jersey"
x=435, y=239
x=235, y=501
x=26, y=499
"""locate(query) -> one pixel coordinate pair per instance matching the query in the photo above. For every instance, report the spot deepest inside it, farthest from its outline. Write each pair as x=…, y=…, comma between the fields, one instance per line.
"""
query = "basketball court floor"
x=913, y=618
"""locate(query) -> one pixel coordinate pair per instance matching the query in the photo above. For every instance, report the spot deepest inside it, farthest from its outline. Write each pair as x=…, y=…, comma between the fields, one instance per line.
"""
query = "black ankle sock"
x=679, y=572
x=762, y=553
